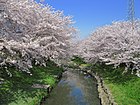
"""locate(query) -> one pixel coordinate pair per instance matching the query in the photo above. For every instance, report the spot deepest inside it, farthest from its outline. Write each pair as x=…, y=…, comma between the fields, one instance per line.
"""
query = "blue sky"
x=91, y=14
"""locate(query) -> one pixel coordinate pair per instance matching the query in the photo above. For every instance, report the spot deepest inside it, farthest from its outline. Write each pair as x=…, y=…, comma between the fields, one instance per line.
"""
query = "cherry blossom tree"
x=115, y=44
x=31, y=33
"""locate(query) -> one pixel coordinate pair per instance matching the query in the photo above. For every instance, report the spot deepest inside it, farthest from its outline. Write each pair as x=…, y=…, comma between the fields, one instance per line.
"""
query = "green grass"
x=50, y=80
x=125, y=88
x=22, y=97
x=17, y=90
x=126, y=94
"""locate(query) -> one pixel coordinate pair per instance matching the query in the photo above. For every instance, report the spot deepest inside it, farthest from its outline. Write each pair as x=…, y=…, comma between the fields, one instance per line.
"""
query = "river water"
x=75, y=88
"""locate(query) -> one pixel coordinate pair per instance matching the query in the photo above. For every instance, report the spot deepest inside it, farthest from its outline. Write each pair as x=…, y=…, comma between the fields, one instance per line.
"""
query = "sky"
x=91, y=14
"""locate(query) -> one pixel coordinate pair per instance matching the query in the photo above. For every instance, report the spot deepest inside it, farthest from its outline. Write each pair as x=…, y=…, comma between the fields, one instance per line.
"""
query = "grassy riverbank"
x=124, y=87
x=18, y=90
x=126, y=94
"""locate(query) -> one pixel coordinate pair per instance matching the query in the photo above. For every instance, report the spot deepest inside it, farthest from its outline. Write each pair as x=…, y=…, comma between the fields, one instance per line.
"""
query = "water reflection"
x=74, y=89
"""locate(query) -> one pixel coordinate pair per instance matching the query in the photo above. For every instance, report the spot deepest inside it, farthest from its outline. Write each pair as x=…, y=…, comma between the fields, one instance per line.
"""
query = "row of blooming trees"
x=115, y=44
x=31, y=33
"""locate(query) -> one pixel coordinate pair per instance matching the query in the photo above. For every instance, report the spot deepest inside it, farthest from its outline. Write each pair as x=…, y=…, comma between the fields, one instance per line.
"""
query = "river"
x=75, y=88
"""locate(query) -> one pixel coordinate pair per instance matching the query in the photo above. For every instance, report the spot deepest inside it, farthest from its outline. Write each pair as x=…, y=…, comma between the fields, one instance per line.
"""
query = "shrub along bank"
x=19, y=89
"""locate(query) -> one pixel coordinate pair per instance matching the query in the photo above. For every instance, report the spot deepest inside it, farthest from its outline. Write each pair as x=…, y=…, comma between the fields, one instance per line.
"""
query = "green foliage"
x=85, y=65
x=31, y=97
x=78, y=60
x=49, y=80
x=112, y=74
x=18, y=90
